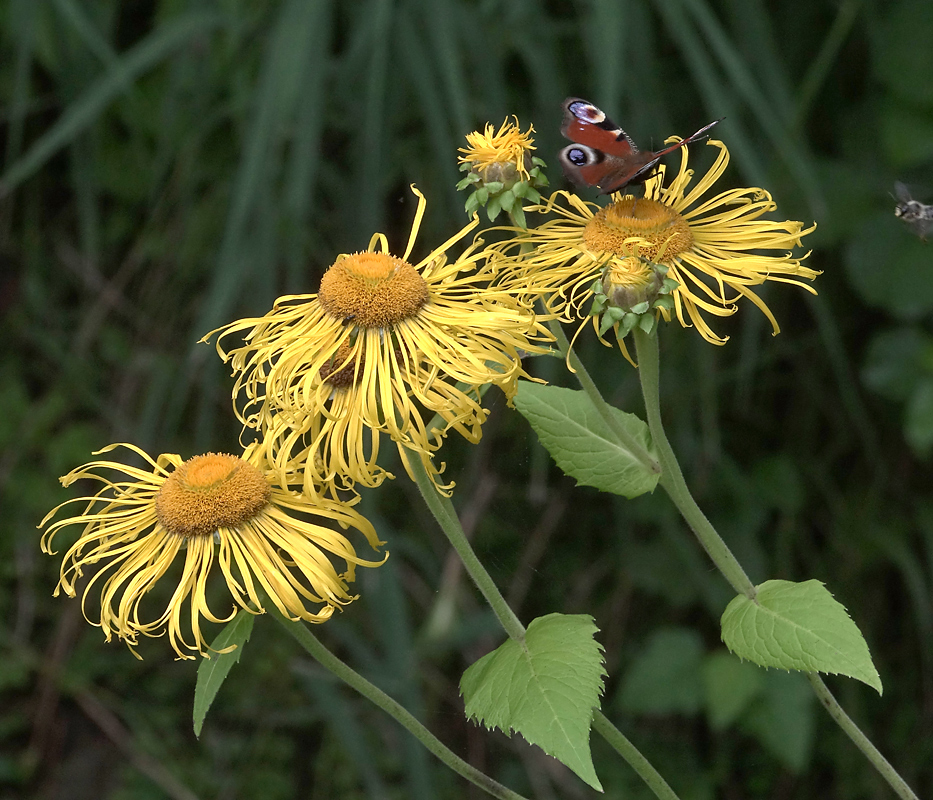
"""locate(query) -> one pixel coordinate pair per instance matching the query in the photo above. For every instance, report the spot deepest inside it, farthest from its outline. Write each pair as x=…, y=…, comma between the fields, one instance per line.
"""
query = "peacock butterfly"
x=603, y=154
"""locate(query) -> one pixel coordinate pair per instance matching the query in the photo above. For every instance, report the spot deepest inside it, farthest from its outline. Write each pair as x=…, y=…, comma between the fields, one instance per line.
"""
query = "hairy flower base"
x=276, y=544
x=711, y=248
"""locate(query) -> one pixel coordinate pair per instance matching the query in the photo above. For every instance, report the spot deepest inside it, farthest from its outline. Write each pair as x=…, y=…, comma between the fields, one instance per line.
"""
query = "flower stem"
x=672, y=479
x=599, y=403
x=861, y=741
x=617, y=740
x=330, y=662
x=446, y=516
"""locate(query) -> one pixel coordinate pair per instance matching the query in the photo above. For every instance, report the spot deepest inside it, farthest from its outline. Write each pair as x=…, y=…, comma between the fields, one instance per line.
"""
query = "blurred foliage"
x=170, y=165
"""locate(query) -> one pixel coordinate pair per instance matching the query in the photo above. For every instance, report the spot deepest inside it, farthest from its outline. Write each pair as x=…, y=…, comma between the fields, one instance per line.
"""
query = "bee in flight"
x=916, y=214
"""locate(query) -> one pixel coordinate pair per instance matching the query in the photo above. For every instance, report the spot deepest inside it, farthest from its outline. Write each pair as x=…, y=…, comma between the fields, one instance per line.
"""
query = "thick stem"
x=353, y=679
x=599, y=403
x=861, y=741
x=446, y=516
x=617, y=741
x=672, y=479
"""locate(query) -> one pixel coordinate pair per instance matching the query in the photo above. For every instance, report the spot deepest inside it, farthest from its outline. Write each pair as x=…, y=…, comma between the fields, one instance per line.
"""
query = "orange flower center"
x=209, y=492
x=646, y=228
x=372, y=290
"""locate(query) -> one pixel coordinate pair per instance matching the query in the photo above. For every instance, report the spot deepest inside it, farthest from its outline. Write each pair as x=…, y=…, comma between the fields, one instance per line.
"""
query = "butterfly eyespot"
x=586, y=111
x=577, y=156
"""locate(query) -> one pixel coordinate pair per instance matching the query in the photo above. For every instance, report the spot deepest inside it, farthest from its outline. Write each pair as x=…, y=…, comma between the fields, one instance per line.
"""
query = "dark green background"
x=169, y=166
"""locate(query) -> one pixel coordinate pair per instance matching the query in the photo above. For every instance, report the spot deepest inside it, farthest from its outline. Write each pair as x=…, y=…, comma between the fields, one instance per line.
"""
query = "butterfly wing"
x=585, y=124
x=603, y=154
x=902, y=192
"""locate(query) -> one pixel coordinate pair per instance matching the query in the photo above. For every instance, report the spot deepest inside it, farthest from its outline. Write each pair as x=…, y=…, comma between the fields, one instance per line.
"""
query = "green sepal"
x=647, y=323
x=666, y=302
x=610, y=318
x=468, y=180
x=507, y=200
x=640, y=308
x=495, y=186
x=472, y=204
x=520, y=189
x=538, y=162
x=493, y=207
x=482, y=195
x=518, y=214
x=532, y=195
x=668, y=285
x=599, y=305
x=625, y=326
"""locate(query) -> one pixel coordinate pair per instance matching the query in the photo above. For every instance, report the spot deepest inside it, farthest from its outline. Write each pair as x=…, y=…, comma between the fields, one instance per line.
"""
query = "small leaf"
x=482, y=195
x=493, y=207
x=582, y=444
x=507, y=200
x=213, y=671
x=521, y=188
x=798, y=626
x=471, y=204
x=518, y=214
x=532, y=195
x=640, y=308
x=545, y=689
x=494, y=186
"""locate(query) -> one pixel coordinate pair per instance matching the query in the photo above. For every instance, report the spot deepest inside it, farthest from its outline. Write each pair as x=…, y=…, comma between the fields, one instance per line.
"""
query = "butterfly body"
x=916, y=214
x=603, y=155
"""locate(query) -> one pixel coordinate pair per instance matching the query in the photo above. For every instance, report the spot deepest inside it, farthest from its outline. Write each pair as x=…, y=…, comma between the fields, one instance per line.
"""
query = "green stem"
x=353, y=679
x=616, y=739
x=862, y=742
x=446, y=516
x=604, y=409
x=672, y=479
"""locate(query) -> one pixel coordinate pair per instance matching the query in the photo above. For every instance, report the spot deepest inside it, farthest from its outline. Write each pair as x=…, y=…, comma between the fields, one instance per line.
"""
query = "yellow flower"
x=211, y=508
x=382, y=342
x=713, y=249
x=498, y=156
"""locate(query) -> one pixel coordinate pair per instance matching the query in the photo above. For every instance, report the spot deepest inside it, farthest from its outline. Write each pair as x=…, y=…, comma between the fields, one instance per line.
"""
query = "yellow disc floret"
x=211, y=491
x=646, y=227
x=374, y=290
